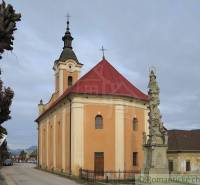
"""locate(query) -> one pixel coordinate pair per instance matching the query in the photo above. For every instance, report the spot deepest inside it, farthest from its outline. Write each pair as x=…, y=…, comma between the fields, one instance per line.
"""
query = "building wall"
x=99, y=140
x=179, y=161
x=58, y=139
x=134, y=139
x=62, y=71
x=54, y=139
x=75, y=76
x=117, y=139
x=50, y=138
x=67, y=140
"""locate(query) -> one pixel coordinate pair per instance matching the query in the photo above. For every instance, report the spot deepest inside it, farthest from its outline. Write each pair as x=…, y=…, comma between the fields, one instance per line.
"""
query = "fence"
x=109, y=176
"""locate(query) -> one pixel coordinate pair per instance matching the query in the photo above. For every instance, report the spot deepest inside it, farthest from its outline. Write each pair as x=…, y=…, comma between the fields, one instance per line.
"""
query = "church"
x=94, y=122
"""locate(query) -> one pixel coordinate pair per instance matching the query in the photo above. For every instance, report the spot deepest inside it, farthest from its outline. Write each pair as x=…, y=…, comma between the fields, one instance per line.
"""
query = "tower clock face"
x=70, y=67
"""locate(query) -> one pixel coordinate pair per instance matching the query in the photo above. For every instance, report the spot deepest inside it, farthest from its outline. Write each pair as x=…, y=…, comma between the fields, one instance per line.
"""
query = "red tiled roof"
x=103, y=79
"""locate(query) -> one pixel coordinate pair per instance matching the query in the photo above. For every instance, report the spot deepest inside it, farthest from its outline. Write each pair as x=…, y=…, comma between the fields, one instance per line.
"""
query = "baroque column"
x=155, y=149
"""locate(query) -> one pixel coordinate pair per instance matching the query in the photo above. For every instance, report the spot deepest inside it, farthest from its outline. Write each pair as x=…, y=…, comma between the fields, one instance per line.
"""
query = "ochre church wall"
x=50, y=132
x=134, y=138
x=99, y=140
x=95, y=140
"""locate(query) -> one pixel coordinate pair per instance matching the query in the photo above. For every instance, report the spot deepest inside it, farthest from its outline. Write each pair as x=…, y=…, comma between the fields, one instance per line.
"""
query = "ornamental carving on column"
x=157, y=132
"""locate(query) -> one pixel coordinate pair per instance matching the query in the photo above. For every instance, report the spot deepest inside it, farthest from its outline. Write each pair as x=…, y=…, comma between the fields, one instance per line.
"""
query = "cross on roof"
x=103, y=51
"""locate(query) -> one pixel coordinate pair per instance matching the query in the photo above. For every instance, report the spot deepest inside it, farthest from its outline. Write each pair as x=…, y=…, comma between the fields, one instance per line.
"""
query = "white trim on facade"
x=54, y=141
x=63, y=137
x=109, y=100
x=40, y=135
x=47, y=141
x=77, y=150
x=61, y=82
x=119, y=138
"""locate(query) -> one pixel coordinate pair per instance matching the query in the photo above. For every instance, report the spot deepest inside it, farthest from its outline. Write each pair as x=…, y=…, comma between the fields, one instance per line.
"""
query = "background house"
x=184, y=151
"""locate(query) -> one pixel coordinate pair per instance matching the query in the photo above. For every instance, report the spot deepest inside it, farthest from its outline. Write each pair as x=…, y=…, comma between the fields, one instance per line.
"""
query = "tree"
x=8, y=19
x=4, y=154
x=22, y=155
x=34, y=154
x=6, y=96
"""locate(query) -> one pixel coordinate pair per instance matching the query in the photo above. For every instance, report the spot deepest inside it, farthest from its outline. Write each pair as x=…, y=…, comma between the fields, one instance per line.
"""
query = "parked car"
x=34, y=161
x=8, y=162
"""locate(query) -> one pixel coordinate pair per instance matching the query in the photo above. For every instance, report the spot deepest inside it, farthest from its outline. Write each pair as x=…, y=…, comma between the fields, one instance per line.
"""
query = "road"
x=25, y=174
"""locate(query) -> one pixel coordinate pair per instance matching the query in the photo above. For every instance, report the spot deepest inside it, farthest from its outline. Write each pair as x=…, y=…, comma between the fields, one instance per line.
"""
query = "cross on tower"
x=103, y=50
x=68, y=16
x=153, y=68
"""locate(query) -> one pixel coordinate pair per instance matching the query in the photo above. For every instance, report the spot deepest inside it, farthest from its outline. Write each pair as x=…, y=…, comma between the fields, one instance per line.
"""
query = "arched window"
x=70, y=81
x=98, y=122
x=135, y=124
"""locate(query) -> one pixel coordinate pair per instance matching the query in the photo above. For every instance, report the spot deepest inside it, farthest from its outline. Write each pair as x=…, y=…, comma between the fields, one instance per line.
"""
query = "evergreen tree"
x=34, y=154
x=4, y=154
x=6, y=96
x=8, y=19
x=22, y=155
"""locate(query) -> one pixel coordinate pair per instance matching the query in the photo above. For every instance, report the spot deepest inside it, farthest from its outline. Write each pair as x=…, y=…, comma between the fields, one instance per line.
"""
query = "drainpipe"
x=70, y=135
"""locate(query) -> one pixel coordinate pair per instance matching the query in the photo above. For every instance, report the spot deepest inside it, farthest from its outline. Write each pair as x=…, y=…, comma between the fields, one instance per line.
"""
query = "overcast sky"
x=136, y=33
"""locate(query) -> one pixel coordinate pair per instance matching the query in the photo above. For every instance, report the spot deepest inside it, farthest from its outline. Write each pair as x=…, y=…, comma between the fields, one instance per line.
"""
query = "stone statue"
x=157, y=143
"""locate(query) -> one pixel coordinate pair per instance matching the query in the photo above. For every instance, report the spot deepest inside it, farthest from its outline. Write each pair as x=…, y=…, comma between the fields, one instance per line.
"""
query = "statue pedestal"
x=156, y=162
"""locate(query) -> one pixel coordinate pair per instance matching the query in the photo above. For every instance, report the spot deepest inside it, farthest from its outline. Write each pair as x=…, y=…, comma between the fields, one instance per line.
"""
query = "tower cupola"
x=67, y=38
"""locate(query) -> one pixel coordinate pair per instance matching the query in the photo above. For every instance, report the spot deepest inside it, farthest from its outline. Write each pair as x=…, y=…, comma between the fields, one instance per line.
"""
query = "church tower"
x=67, y=67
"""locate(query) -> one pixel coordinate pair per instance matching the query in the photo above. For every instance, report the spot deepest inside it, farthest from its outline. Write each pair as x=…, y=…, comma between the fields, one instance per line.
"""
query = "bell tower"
x=67, y=68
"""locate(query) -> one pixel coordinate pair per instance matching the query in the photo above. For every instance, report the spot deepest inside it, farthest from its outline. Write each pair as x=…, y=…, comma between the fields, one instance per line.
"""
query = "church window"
x=99, y=122
x=70, y=81
x=135, y=124
x=171, y=166
x=135, y=154
x=188, y=166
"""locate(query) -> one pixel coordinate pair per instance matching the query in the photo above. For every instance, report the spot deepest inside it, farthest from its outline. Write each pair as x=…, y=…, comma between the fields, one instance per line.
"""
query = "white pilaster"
x=77, y=137
x=40, y=134
x=54, y=141
x=63, y=138
x=119, y=138
x=47, y=142
x=60, y=82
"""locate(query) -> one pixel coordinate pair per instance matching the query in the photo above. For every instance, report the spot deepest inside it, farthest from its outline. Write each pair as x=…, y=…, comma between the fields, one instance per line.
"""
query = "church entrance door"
x=99, y=163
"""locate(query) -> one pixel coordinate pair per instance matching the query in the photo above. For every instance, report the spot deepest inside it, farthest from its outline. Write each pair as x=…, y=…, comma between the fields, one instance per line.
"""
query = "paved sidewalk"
x=25, y=174
x=2, y=180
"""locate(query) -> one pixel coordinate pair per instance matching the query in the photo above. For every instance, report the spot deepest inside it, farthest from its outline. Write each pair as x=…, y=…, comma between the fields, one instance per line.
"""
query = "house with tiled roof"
x=184, y=151
x=94, y=122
